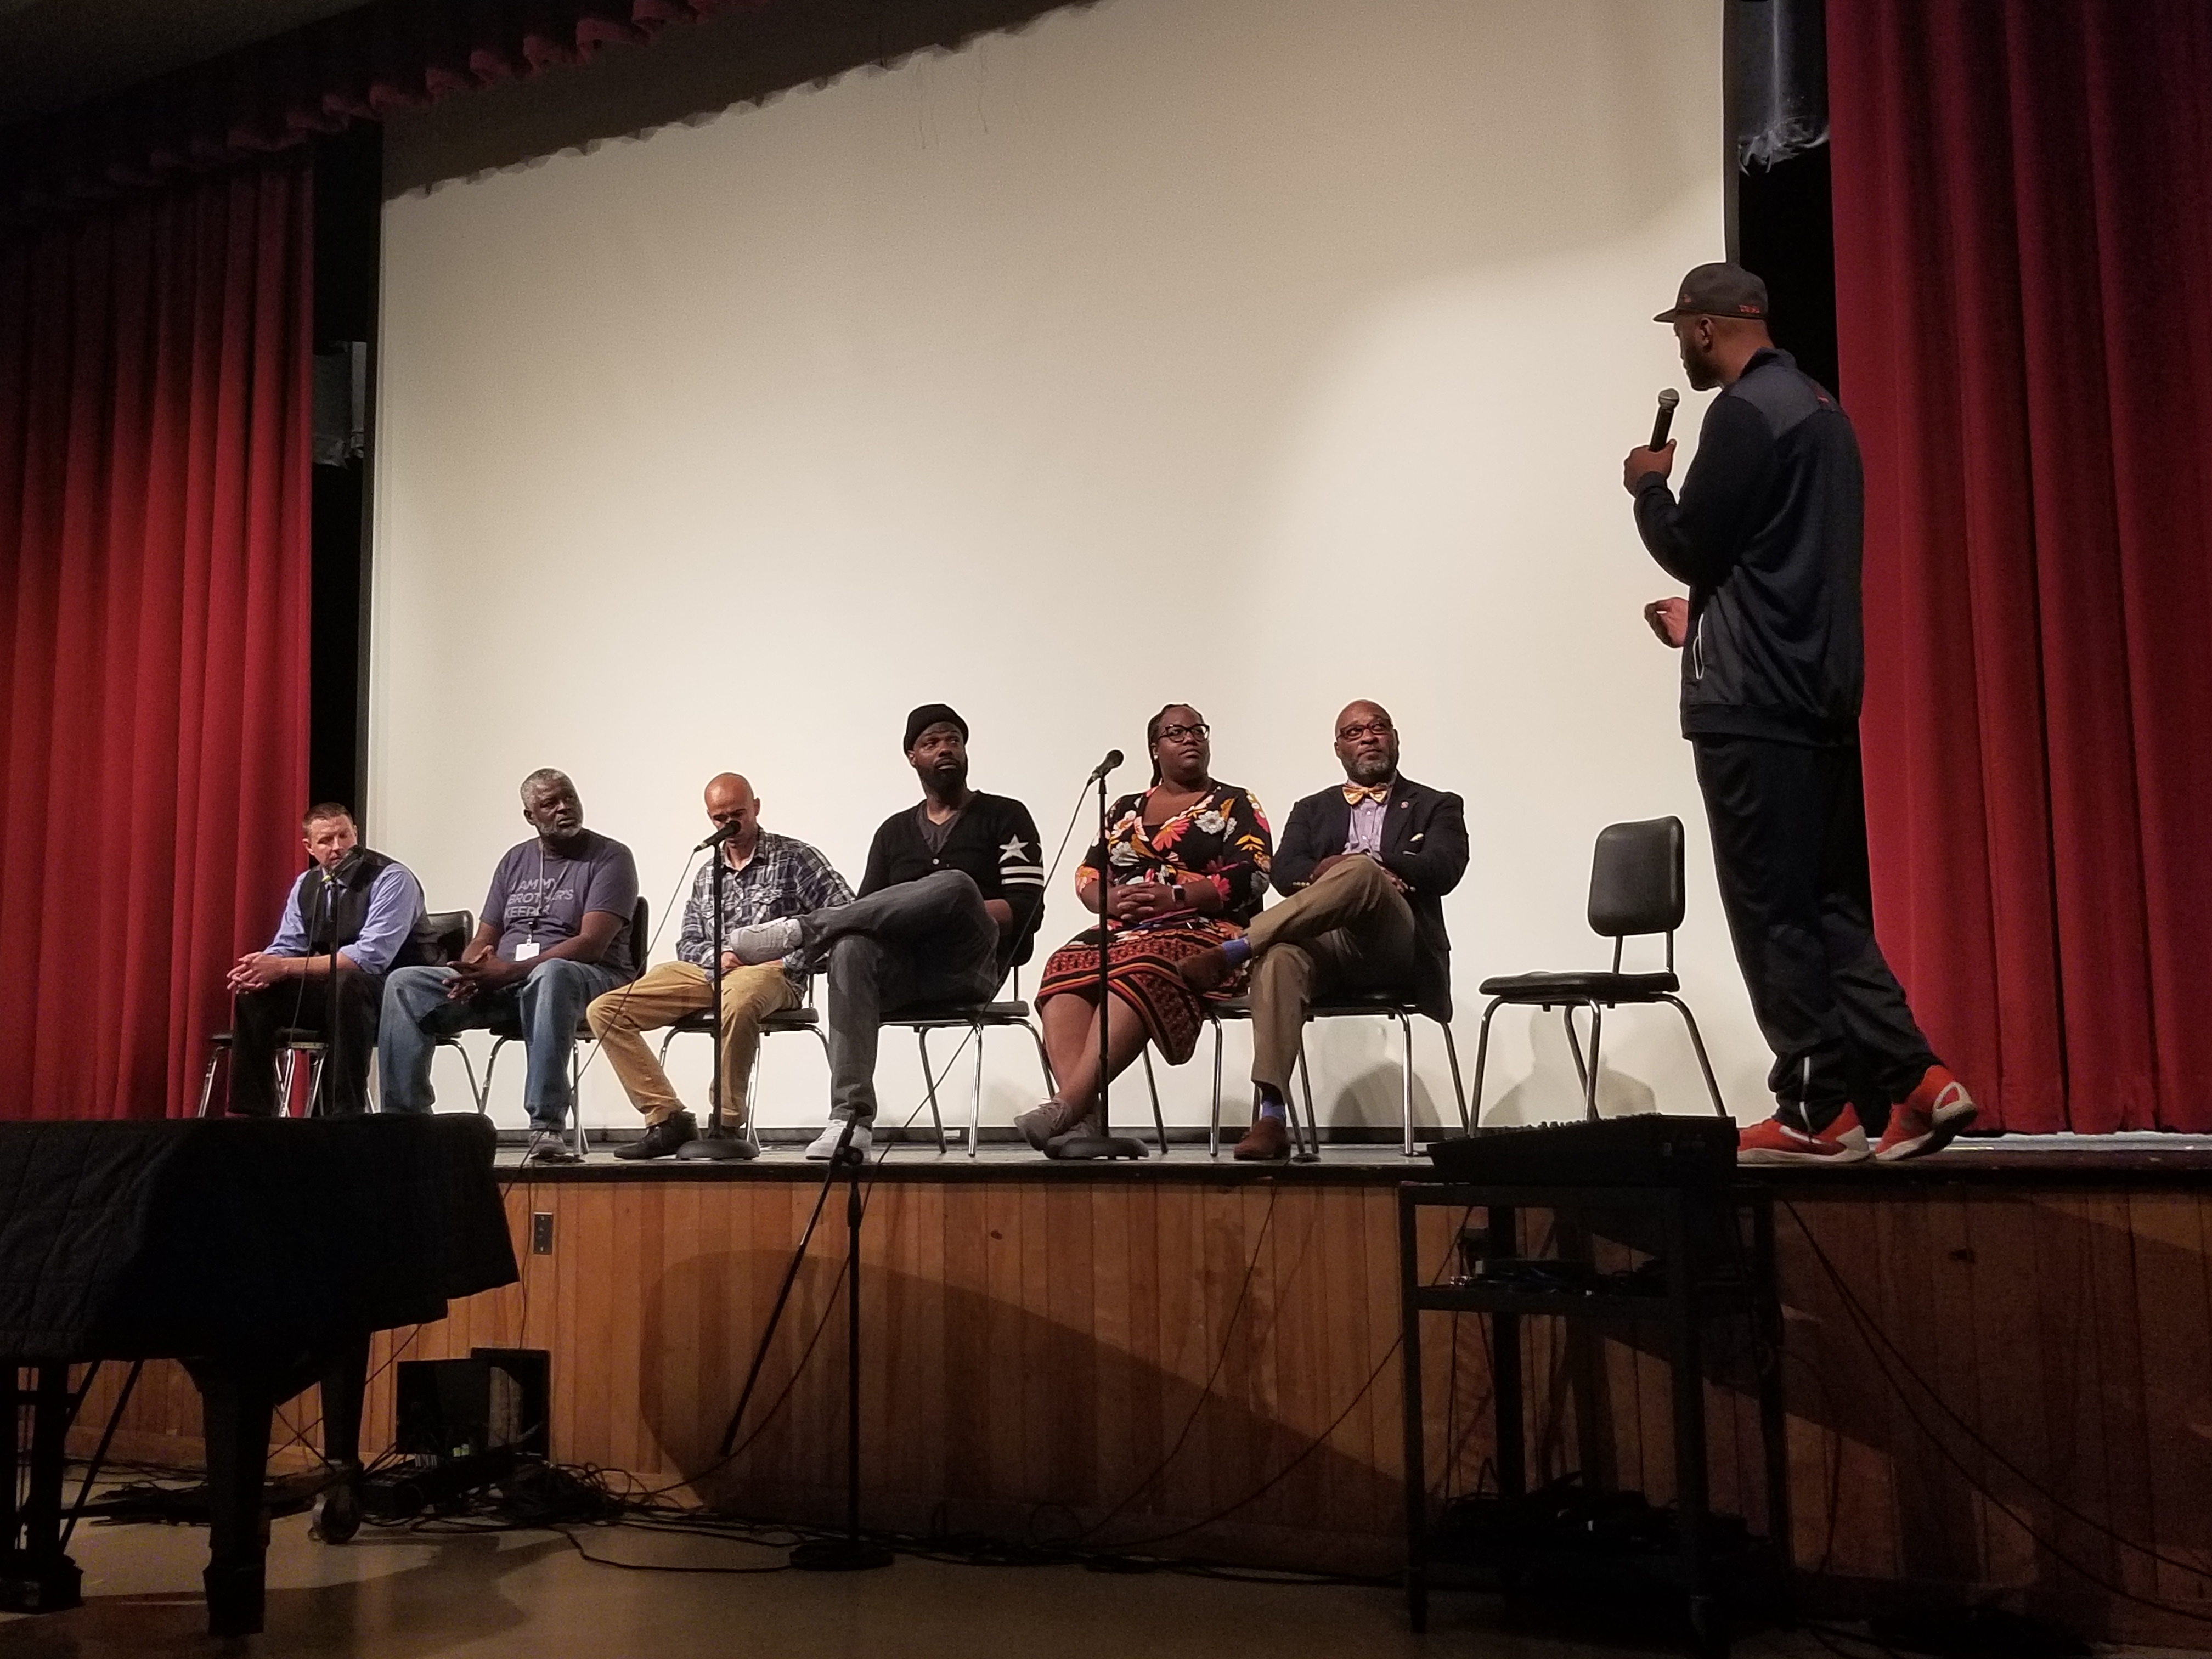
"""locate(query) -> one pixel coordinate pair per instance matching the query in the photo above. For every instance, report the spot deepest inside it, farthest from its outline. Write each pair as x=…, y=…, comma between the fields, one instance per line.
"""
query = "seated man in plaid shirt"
x=769, y=876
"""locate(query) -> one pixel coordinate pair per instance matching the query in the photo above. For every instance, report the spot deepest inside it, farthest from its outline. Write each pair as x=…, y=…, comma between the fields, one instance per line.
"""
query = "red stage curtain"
x=154, y=431
x=2023, y=215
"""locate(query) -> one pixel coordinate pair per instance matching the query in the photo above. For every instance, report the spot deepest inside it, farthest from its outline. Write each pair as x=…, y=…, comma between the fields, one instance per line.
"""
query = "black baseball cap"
x=1719, y=290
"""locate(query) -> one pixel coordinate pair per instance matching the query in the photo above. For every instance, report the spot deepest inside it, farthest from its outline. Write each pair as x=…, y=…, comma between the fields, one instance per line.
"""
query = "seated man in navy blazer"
x=1364, y=868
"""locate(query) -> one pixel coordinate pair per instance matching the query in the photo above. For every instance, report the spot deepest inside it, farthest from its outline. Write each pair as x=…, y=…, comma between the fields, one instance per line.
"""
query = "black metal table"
x=1705, y=1271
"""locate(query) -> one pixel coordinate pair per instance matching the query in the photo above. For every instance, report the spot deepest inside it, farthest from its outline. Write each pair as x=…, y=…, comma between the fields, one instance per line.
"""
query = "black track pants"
x=1788, y=831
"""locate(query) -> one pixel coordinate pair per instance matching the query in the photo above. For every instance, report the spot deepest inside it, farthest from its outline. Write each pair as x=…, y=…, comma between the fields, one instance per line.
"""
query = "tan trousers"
x=1350, y=931
x=664, y=994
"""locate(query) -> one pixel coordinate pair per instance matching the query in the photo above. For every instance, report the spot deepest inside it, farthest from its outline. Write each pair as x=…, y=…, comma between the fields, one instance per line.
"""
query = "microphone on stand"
x=719, y=836
x=1114, y=758
x=1668, y=399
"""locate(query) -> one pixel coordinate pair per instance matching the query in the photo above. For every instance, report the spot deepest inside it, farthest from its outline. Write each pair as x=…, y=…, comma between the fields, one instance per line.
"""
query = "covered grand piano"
x=261, y=1254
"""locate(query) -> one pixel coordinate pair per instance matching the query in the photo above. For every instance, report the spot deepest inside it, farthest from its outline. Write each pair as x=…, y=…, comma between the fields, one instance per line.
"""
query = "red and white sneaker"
x=1774, y=1141
x=1936, y=1110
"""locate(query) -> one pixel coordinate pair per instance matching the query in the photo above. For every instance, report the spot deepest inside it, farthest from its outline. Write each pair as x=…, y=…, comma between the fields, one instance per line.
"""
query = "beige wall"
x=1256, y=353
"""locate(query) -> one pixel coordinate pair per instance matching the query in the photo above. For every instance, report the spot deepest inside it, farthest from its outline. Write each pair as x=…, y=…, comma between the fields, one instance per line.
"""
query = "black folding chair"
x=445, y=930
x=975, y=1018
x=1636, y=889
x=804, y=1018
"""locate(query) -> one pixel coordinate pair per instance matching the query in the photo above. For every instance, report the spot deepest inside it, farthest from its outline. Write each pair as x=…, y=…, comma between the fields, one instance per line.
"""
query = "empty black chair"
x=1636, y=889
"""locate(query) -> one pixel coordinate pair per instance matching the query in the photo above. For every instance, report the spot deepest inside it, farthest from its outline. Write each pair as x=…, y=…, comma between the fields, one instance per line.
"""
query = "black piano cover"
x=127, y=1240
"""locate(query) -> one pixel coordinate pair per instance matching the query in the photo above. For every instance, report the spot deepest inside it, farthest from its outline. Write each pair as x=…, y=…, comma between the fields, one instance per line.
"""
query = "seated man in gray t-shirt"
x=555, y=933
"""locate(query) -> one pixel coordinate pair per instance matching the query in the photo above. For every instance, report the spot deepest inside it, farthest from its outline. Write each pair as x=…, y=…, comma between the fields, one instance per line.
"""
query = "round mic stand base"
x=718, y=1147
x=840, y=1555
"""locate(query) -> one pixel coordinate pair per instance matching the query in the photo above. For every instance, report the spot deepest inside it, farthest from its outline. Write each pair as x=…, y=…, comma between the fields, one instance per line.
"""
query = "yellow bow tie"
x=1356, y=793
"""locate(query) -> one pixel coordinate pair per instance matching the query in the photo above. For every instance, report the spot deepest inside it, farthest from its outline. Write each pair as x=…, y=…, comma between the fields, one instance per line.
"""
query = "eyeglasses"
x=1174, y=733
x=1353, y=734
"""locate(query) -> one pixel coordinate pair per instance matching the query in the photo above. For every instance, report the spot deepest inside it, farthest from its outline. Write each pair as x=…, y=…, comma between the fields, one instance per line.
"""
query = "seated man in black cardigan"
x=950, y=900
x=1364, y=867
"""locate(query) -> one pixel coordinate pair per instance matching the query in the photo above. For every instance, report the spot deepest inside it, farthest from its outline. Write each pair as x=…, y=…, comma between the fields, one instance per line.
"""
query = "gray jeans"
x=920, y=942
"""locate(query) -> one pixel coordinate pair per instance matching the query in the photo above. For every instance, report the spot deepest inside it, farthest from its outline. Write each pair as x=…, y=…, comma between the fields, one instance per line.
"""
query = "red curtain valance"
x=360, y=65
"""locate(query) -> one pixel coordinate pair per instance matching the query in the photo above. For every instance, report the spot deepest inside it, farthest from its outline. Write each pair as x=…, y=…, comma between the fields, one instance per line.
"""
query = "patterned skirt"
x=1140, y=970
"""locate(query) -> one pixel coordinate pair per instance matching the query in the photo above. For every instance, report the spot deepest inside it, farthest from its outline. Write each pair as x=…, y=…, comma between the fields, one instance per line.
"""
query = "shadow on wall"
x=981, y=1413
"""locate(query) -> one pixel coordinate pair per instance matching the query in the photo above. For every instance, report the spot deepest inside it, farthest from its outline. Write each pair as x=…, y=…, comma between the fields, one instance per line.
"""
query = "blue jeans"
x=921, y=941
x=546, y=1011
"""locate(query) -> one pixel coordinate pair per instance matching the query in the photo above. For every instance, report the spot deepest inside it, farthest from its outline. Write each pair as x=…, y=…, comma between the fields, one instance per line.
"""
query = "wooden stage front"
x=1199, y=1358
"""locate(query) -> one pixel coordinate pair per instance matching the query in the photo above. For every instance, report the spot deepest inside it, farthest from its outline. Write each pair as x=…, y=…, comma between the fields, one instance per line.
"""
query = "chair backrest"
x=641, y=932
x=447, y=933
x=1636, y=880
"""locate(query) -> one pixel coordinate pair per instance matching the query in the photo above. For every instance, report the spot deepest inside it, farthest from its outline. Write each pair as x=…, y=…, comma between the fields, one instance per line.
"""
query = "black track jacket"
x=1767, y=535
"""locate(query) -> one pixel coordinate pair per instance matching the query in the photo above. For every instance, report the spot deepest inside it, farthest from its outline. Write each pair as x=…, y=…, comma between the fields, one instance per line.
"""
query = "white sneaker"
x=824, y=1146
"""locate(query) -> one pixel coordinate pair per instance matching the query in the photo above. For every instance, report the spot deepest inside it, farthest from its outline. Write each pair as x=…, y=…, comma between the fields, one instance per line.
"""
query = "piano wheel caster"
x=339, y=1517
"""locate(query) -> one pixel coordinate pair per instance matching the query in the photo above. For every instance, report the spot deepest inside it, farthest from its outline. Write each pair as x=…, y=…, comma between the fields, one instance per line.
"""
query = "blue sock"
x=1236, y=951
x=1271, y=1101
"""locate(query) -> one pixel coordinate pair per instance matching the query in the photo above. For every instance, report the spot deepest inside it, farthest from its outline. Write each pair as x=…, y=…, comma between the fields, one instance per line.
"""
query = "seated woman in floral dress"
x=1183, y=868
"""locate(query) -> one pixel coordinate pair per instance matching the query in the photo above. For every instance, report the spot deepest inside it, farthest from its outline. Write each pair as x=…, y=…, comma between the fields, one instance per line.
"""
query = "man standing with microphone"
x=1767, y=534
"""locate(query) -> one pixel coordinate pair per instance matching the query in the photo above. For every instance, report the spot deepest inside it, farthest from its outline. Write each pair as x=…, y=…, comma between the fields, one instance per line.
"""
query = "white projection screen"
x=1254, y=353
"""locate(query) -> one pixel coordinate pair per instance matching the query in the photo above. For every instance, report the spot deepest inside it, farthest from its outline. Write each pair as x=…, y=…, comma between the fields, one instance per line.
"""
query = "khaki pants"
x=664, y=994
x=1351, y=930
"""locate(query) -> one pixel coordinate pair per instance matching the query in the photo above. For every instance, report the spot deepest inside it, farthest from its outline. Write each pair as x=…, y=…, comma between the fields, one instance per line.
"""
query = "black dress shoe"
x=662, y=1140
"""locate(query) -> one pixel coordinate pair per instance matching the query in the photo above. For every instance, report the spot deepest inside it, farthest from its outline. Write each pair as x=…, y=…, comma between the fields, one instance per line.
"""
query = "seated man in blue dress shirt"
x=352, y=916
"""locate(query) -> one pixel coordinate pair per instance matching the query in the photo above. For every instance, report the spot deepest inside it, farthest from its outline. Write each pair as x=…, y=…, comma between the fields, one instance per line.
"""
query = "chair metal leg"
x=1406, y=1084
x=1597, y=1035
x=820, y=1036
x=1213, y=1130
x=1574, y=1046
x=577, y=1140
x=929, y=1087
x=667, y=1037
x=481, y=1096
x=1153, y=1088
x=491, y=1065
x=976, y=1100
x=1313, y=1119
x=284, y=1072
x=1459, y=1091
x=1482, y=1054
x=207, y=1079
x=315, y=1081
x=1698, y=1044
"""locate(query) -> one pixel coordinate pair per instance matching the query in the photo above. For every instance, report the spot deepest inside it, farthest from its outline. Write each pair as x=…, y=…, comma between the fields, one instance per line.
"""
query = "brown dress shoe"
x=1268, y=1139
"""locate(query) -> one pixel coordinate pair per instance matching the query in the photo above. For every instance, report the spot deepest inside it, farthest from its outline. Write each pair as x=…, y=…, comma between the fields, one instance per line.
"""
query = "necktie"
x=1356, y=793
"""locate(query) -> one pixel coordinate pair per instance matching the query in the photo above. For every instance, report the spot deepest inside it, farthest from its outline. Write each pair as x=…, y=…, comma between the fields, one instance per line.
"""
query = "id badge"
x=527, y=949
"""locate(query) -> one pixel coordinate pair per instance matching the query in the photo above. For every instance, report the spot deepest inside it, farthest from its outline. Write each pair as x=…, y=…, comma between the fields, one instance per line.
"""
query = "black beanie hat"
x=929, y=715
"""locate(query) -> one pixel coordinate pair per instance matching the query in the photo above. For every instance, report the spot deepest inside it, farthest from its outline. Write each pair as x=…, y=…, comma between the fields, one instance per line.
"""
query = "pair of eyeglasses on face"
x=1353, y=734
x=1176, y=733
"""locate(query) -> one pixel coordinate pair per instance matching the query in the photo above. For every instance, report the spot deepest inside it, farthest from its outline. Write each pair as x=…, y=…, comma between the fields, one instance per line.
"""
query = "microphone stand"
x=717, y=1145
x=1104, y=1142
x=852, y=1552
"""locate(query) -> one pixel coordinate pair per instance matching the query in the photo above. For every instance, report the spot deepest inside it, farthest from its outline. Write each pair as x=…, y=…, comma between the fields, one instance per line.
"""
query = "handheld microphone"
x=1668, y=401
x=720, y=835
x=1113, y=759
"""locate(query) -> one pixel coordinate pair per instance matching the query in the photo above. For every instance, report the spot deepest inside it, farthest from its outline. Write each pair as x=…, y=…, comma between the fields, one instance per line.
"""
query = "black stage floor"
x=2131, y=1162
